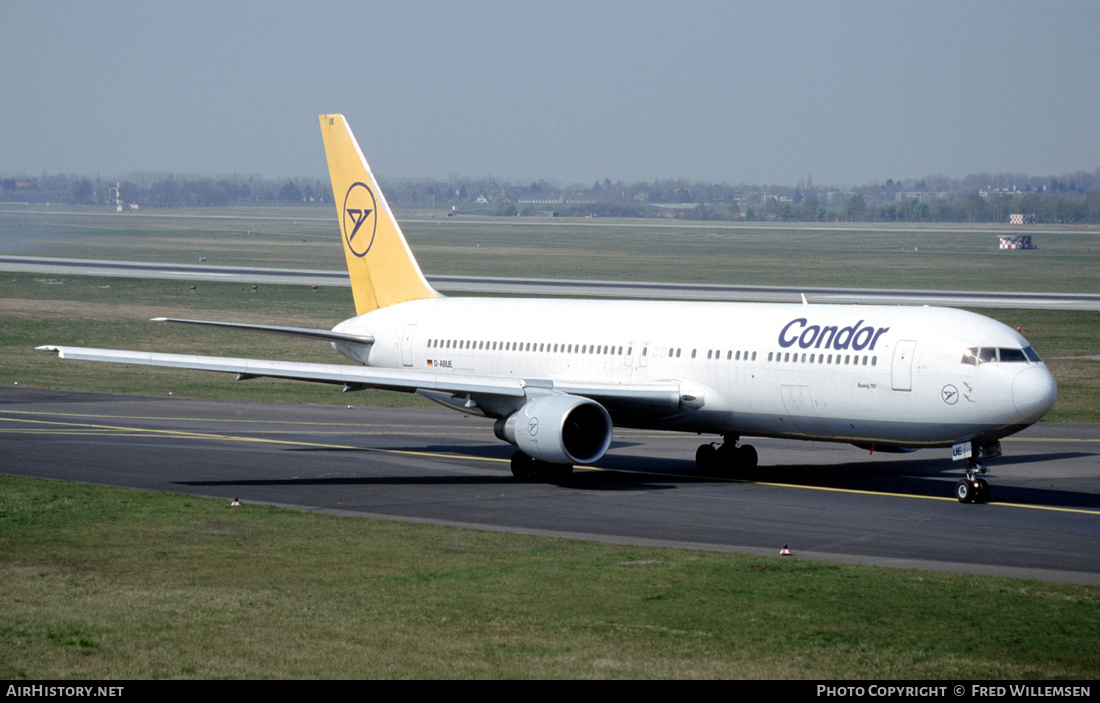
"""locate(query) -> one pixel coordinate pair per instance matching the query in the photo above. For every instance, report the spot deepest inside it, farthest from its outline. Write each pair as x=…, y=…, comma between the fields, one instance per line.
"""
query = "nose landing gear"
x=972, y=489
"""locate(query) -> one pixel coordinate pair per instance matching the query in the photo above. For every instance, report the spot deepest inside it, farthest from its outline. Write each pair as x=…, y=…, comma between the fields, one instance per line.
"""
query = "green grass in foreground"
x=109, y=583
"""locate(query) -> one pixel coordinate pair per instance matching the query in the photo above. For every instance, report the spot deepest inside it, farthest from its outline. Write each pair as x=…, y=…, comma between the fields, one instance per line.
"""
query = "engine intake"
x=561, y=429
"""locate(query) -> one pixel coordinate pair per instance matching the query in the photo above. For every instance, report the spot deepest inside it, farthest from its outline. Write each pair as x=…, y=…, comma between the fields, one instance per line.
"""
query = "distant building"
x=1017, y=241
x=1021, y=219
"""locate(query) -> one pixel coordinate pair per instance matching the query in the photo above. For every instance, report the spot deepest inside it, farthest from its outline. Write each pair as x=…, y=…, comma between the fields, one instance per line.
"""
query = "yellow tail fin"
x=382, y=268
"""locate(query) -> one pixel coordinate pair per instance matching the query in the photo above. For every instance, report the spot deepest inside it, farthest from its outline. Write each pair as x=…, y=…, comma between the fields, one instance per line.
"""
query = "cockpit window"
x=984, y=355
x=1013, y=355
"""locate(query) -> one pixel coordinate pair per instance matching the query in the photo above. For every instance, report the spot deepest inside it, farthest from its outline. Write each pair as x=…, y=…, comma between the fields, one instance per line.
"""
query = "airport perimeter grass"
x=105, y=583
x=928, y=256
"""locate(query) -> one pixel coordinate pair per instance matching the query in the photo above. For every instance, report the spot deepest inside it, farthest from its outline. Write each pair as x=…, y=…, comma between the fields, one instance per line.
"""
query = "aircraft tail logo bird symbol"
x=359, y=222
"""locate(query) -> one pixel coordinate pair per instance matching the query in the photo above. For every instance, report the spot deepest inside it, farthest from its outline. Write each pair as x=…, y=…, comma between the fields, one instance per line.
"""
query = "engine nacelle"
x=560, y=429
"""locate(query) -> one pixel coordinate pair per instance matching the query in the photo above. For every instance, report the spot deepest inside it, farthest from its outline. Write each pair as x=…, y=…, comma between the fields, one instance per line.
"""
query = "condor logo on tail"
x=359, y=221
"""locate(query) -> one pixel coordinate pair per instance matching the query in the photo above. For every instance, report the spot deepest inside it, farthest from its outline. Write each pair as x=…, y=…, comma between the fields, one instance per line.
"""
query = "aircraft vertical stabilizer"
x=381, y=266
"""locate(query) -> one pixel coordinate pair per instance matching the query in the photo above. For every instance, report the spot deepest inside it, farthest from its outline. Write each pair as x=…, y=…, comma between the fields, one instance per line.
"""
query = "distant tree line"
x=166, y=191
x=1073, y=198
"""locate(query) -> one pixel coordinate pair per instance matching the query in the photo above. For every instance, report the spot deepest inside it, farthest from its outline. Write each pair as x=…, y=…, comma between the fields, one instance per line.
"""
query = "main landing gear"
x=972, y=489
x=729, y=457
x=527, y=468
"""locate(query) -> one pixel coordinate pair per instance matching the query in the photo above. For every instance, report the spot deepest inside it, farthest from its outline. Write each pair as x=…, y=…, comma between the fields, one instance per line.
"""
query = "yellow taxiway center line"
x=113, y=430
x=117, y=431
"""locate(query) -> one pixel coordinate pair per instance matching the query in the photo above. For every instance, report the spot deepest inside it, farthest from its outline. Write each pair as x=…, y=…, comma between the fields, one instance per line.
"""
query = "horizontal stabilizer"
x=326, y=335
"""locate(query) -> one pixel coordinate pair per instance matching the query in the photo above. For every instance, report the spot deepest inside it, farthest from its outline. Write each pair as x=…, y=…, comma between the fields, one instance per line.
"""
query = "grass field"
x=116, y=584
x=944, y=257
x=107, y=583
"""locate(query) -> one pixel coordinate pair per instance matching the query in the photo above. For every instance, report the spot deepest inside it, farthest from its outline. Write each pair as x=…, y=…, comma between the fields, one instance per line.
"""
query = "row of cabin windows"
x=731, y=355
x=658, y=352
x=838, y=359
x=529, y=347
x=712, y=354
x=973, y=355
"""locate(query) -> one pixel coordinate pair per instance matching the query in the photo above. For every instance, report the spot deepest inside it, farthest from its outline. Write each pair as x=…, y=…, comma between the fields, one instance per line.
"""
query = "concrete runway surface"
x=829, y=502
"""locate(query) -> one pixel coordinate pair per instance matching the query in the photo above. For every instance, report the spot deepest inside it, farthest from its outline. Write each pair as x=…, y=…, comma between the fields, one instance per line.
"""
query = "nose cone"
x=1034, y=392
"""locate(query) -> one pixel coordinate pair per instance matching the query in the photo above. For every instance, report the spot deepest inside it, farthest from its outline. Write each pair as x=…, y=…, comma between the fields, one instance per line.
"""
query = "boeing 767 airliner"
x=558, y=375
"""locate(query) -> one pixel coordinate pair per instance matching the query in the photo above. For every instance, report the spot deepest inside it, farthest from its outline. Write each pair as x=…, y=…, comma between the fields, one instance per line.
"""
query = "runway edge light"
x=784, y=552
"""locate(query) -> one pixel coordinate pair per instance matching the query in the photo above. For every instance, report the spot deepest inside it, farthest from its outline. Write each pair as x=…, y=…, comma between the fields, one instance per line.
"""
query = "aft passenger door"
x=407, y=345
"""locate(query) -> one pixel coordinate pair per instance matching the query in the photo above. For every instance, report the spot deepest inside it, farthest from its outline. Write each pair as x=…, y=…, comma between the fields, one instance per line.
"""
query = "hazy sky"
x=574, y=92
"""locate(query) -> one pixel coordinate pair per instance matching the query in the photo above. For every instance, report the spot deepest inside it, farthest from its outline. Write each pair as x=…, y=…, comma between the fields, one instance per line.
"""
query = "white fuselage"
x=892, y=376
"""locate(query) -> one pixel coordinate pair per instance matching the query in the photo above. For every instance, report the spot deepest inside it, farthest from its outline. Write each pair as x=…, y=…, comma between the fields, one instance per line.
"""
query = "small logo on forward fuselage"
x=360, y=219
x=950, y=394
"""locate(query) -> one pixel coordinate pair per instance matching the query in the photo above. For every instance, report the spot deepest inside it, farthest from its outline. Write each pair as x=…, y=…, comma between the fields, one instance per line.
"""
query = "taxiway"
x=825, y=501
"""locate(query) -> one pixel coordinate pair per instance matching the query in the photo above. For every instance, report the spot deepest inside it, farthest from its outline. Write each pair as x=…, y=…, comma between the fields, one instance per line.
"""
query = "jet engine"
x=560, y=429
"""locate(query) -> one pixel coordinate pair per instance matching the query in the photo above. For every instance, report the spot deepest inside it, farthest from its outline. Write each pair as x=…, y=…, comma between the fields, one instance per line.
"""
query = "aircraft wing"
x=660, y=397
x=354, y=377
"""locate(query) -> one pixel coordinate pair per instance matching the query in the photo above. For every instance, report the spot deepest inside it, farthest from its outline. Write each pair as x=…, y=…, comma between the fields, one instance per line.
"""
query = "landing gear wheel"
x=555, y=472
x=981, y=493
x=526, y=468
x=728, y=458
x=964, y=491
x=523, y=466
x=972, y=490
x=706, y=457
x=746, y=459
